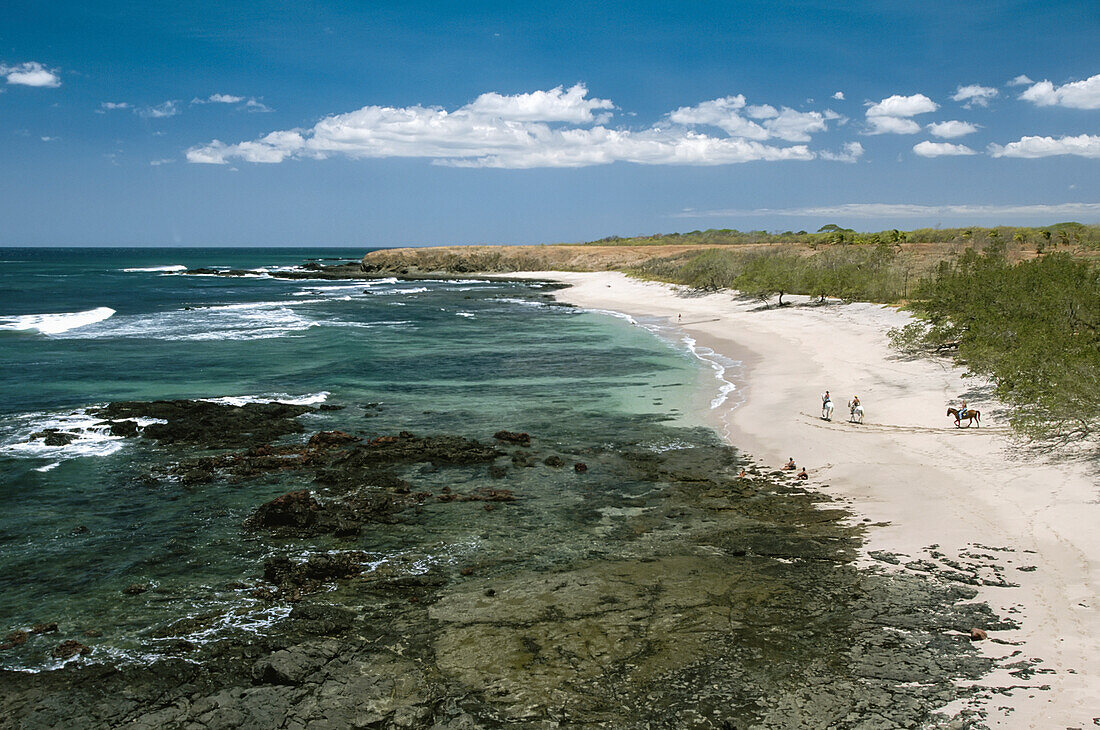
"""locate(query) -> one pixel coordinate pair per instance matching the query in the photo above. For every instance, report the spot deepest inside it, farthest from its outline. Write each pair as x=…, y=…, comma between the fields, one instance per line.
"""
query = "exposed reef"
x=698, y=599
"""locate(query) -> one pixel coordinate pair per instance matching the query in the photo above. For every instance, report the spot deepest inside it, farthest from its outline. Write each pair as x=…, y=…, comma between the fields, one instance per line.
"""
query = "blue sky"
x=430, y=123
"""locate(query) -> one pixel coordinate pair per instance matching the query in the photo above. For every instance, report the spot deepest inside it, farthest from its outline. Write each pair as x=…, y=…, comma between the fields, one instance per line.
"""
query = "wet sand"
x=970, y=504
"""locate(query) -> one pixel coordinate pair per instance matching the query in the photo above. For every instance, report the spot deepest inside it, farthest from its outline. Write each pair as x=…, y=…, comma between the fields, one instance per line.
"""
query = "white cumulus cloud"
x=891, y=125
x=839, y=96
x=160, y=111
x=249, y=103
x=851, y=152
x=975, y=95
x=1021, y=80
x=951, y=129
x=31, y=73
x=219, y=99
x=725, y=114
x=556, y=105
x=891, y=115
x=537, y=129
x=1083, y=145
x=902, y=106
x=763, y=111
x=1076, y=94
x=941, y=149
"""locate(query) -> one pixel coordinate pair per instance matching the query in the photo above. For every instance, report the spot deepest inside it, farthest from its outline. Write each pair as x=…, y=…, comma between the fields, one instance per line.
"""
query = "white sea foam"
x=221, y=272
x=156, y=269
x=247, y=321
x=395, y=323
x=329, y=291
x=719, y=364
x=409, y=290
x=620, y=315
x=55, y=324
x=662, y=446
x=308, y=399
x=465, y=314
x=524, y=302
x=92, y=438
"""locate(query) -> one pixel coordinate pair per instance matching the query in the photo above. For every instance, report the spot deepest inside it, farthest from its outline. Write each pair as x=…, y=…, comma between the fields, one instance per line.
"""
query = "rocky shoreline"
x=714, y=601
x=403, y=271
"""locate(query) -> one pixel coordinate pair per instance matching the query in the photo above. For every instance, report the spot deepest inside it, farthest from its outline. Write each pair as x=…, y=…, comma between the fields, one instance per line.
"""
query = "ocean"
x=83, y=327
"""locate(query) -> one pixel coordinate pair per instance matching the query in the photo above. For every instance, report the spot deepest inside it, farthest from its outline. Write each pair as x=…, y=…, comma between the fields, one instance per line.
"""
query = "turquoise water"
x=81, y=327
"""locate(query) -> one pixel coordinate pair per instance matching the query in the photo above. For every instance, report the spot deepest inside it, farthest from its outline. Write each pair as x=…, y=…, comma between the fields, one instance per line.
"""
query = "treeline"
x=1033, y=327
x=1069, y=235
x=871, y=273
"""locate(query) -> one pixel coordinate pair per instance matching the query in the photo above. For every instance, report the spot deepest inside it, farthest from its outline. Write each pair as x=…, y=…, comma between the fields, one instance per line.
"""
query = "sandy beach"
x=968, y=503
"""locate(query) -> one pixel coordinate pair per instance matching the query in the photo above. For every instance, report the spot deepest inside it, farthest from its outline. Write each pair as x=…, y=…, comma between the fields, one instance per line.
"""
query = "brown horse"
x=970, y=414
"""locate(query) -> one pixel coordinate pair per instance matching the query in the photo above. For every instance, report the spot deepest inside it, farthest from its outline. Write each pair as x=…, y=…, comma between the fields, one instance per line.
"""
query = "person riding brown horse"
x=971, y=416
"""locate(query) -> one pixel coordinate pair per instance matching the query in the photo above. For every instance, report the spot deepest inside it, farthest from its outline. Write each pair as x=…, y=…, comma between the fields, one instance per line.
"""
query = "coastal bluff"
x=504, y=259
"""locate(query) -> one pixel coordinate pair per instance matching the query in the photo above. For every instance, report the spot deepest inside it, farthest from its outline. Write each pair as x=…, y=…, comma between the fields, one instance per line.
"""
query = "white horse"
x=855, y=411
x=827, y=410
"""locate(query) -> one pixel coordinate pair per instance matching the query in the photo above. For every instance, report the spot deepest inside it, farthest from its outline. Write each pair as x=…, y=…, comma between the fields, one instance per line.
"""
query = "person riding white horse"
x=855, y=409
x=826, y=406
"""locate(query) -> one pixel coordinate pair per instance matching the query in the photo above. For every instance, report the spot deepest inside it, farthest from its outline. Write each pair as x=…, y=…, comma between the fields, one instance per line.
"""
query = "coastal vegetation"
x=871, y=273
x=1042, y=238
x=1033, y=327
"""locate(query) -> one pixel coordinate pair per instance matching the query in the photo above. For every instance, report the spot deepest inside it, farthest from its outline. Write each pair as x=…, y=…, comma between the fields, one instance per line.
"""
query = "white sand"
x=909, y=467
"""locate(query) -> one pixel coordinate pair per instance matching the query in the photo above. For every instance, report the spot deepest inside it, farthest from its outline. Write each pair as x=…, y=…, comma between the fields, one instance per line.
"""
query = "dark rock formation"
x=210, y=425
x=70, y=648
x=54, y=437
x=331, y=439
x=513, y=437
x=296, y=509
x=407, y=448
x=299, y=514
x=296, y=578
x=126, y=429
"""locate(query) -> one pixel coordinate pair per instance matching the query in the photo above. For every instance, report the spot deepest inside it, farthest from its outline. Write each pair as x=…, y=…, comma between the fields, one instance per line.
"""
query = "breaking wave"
x=55, y=324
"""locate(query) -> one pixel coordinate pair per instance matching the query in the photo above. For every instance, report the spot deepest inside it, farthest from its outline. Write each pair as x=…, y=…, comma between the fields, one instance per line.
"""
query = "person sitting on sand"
x=790, y=465
x=743, y=474
x=802, y=474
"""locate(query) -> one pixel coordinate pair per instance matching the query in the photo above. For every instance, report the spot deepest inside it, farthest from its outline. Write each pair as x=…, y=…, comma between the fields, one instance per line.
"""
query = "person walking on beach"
x=826, y=406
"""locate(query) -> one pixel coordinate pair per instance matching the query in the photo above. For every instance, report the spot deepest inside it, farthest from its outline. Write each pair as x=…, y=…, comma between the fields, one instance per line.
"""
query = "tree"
x=769, y=274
